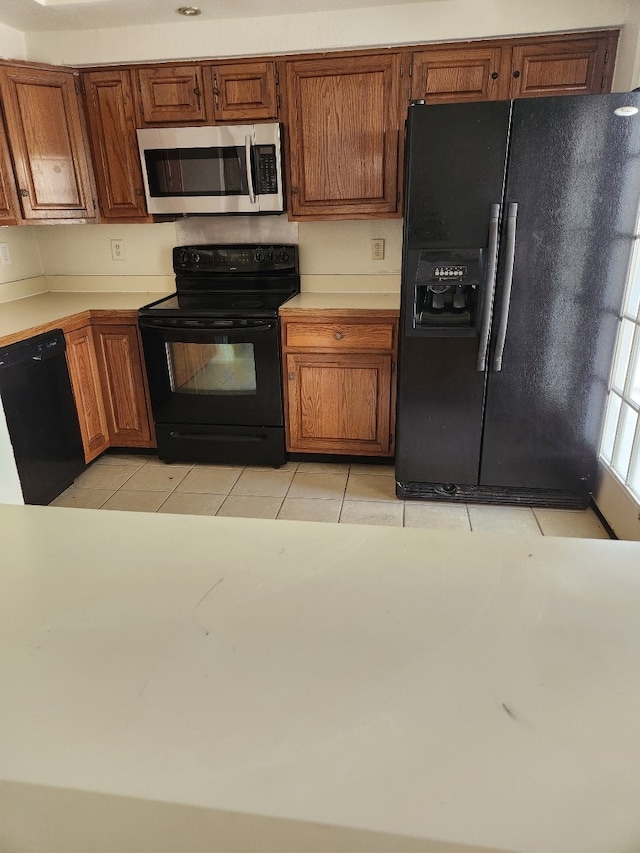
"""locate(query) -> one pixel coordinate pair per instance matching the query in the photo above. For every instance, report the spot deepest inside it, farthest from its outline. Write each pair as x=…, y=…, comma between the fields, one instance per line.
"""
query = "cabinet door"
x=344, y=135
x=47, y=139
x=85, y=381
x=339, y=403
x=171, y=94
x=245, y=92
x=563, y=67
x=9, y=204
x=447, y=75
x=123, y=383
x=112, y=131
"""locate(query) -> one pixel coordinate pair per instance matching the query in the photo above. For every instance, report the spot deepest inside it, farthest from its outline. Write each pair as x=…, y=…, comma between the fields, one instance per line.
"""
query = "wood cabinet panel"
x=171, y=94
x=562, y=67
x=46, y=135
x=339, y=383
x=340, y=335
x=343, y=120
x=112, y=129
x=124, y=386
x=339, y=403
x=9, y=204
x=445, y=75
x=245, y=91
x=85, y=381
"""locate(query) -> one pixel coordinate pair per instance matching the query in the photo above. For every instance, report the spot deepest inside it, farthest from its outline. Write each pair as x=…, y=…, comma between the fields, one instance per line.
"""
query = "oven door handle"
x=220, y=326
x=247, y=149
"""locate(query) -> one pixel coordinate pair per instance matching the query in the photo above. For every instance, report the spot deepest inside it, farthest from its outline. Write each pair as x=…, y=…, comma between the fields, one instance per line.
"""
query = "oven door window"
x=212, y=369
x=216, y=171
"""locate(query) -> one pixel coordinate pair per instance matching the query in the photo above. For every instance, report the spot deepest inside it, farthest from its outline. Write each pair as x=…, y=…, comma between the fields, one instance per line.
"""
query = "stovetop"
x=230, y=281
x=246, y=304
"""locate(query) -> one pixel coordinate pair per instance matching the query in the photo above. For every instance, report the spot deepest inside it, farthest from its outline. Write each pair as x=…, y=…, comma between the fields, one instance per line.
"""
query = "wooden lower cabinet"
x=120, y=363
x=339, y=378
x=85, y=381
x=109, y=386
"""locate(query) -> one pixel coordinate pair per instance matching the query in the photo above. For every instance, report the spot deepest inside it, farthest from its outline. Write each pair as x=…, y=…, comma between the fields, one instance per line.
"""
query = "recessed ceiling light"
x=188, y=10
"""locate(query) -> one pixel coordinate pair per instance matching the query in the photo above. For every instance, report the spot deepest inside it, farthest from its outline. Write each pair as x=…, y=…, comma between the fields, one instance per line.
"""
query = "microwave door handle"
x=247, y=149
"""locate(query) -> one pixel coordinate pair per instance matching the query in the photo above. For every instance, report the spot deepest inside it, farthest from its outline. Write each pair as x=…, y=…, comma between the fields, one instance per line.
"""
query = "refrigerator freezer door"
x=573, y=172
x=456, y=156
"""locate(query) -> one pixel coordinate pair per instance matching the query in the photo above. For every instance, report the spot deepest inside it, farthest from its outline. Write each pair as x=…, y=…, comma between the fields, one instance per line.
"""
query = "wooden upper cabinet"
x=446, y=75
x=244, y=91
x=566, y=66
x=171, y=94
x=9, y=204
x=343, y=121
x=112, y=131
x=515, y=68
x=47, y=139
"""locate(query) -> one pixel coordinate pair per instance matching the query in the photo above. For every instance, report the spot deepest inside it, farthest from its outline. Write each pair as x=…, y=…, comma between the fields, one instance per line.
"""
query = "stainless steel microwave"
x=218, y=169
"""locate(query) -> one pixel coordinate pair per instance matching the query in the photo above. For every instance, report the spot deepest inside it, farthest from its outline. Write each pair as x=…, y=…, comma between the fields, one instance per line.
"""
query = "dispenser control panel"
x=449, y=272
x=447, y=289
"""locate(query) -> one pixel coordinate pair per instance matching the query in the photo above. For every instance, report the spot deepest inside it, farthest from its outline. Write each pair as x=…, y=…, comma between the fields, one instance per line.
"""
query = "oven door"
x=207, y=371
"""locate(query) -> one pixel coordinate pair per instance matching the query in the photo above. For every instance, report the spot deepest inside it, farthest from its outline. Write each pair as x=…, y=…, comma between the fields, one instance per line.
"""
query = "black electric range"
x=212, y=352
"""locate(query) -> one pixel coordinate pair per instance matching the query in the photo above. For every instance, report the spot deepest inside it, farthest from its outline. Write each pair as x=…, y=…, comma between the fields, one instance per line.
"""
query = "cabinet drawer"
x=339, y=335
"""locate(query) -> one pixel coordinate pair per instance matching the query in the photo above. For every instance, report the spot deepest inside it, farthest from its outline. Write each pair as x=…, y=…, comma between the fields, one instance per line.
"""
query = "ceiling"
x=49, y=15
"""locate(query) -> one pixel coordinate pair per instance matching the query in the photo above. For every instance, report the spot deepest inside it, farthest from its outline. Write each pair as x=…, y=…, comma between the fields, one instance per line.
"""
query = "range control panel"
x=235, y=258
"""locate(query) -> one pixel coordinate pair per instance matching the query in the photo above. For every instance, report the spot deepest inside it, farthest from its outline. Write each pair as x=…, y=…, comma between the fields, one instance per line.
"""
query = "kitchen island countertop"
x=187, y=683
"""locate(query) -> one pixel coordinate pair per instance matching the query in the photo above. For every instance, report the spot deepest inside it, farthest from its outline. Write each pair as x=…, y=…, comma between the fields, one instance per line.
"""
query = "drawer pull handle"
x=338, y=336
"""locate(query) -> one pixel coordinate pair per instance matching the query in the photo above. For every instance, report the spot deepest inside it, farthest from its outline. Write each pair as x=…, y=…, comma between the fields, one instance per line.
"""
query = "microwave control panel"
x=267, y=170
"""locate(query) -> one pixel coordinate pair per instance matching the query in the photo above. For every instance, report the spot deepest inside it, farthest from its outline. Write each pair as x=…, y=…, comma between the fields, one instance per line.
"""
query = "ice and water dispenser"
x=447, y=289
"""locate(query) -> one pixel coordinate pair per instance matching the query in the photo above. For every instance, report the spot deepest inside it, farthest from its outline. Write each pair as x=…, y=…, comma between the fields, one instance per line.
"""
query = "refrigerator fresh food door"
x=455, y=170
x=573, y=174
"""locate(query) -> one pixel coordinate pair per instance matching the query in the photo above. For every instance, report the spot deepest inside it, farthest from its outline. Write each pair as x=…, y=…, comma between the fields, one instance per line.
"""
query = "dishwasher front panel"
x=41, y=416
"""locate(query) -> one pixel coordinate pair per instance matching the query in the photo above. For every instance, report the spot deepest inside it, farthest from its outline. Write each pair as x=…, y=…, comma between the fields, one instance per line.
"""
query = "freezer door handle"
x=492, y=264
x=501, y=335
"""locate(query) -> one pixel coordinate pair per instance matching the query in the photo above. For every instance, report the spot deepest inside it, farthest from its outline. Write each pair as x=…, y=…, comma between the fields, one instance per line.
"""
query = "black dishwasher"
x=41, y=416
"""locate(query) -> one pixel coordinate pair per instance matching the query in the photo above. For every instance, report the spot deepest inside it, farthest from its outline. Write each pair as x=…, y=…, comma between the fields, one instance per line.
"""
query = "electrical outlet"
x=377, y=249
x=117, y=250
x=5, y=257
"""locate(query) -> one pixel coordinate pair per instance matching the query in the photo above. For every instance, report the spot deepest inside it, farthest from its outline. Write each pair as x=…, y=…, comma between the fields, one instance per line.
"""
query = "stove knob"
x=183, y=257
x=258, y=257
x=284, y=257
x=271, y=257
x=195, y=258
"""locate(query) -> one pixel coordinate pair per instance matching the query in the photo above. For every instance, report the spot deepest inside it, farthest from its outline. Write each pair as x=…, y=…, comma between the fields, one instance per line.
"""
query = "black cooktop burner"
x=240, y=281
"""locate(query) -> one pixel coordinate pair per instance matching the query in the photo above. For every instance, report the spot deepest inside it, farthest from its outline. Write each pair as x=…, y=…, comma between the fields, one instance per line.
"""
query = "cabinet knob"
x=494, y=76
x=24, y=193
x=291, y=377
x=294, y=190
x=516, y=74
x=338, y=336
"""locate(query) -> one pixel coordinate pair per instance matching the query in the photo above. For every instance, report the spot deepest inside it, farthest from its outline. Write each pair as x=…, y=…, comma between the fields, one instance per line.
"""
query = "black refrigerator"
x=519, y=224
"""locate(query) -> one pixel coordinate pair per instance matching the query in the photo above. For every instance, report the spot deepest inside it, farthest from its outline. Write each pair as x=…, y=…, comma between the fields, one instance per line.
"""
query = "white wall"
x=382, y=25
x=10, y=491
x=12, y=43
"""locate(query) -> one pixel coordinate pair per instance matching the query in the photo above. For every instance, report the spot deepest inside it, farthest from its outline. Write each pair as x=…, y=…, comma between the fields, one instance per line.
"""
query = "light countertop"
x=28, y=316
x=317, y=301
x=187, y=683
x=33, y=314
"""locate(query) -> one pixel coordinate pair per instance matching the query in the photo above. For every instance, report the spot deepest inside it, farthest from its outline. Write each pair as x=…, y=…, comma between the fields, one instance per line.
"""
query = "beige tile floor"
x=308, y=491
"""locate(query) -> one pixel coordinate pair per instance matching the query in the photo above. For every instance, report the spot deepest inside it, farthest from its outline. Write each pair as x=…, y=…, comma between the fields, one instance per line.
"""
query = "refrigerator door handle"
x=492, y=264
x=501, y=335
